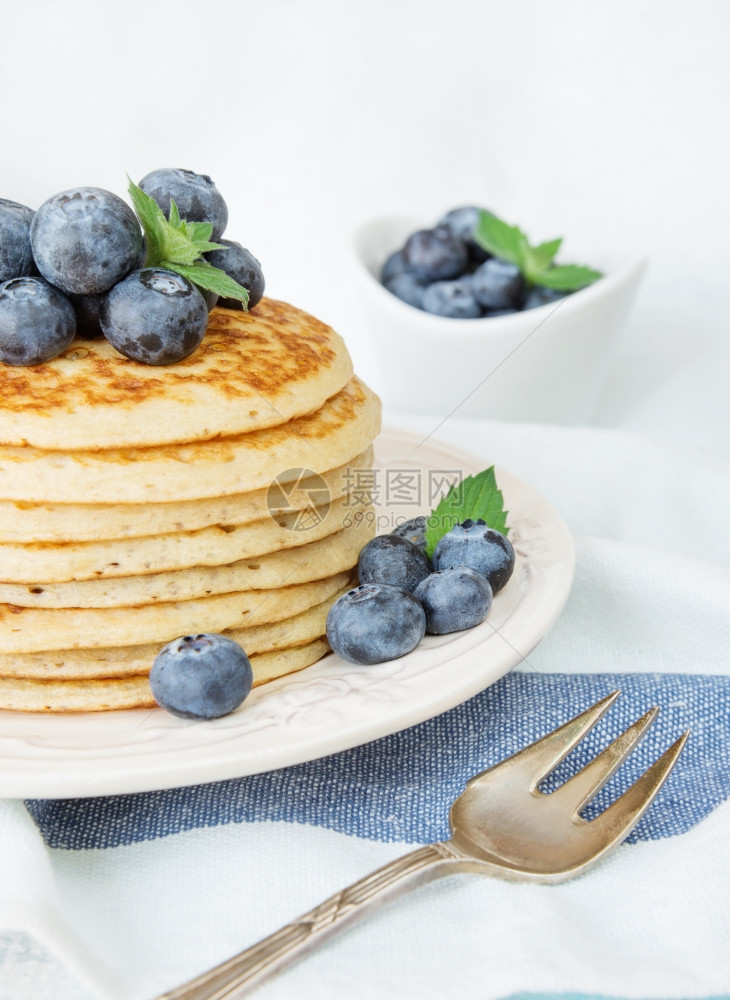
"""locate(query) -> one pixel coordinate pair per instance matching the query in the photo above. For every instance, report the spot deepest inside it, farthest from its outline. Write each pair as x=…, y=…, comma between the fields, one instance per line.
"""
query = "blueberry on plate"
x=473, y=544
x=37, y=322
x=393, y=560
x=497, y=284
x=454, y=599
x=408, y=288
x=154, y=316
x=454, y=299
x=374, y=623
x=85, y=240
x=201, y=676
x=241, y=265
x=16, y=256
x=413, y=530
x=435, y=254
x=196, y=196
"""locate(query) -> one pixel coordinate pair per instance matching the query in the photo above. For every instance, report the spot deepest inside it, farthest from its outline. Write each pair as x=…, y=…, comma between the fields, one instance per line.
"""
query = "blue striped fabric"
x=399, y=788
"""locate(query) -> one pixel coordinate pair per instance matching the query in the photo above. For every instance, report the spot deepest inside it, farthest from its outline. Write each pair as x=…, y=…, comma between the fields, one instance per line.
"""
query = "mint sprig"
x=537, y=263
x=178, y=245
x=476, y=497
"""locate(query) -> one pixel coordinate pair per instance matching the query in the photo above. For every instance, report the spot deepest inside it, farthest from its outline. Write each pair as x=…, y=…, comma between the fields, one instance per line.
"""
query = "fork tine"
x=577, y=791
x=621, y=817
x=539, y=758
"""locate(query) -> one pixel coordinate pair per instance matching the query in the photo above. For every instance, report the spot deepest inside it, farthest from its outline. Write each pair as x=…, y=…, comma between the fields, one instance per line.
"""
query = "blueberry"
x=408, y=288
x=87, y=309
x=435, y=255
x=473, y=544
x=37, y=322
x=85, y=240
x=501, y=312
x=414, y=530
x=142, y=257
x=154, y=316
x=201, y=676
x=393, y=560
x=210, y=298
x=498, y=284
x=454, y=599
x=539, y=295
x=454, y=299
x=462, y=222
x=241, y=265
x=394, y=265
x=196, y=196
x=16, y=256
x=375, y=623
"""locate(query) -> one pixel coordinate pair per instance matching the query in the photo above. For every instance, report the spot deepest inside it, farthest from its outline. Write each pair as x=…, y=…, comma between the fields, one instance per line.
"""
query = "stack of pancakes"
x=139, y=504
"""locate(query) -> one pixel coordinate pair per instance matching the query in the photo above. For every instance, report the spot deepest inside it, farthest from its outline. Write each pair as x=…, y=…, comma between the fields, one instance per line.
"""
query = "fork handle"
x=234, y=977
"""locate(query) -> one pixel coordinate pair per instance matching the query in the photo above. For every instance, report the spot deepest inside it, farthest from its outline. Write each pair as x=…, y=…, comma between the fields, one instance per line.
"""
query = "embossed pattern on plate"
x=329, y=707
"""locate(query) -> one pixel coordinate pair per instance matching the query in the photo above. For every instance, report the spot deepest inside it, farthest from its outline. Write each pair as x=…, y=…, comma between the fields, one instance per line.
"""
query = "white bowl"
x=547, y=364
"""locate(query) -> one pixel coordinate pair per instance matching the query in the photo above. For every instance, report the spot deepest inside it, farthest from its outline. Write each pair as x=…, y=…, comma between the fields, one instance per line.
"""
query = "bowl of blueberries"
x=468, y=317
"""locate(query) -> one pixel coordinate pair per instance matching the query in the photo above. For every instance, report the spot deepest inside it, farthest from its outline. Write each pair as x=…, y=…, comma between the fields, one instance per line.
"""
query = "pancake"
x=344, y=426
x=280, y=662
x=141, y=503
x=125, y=661
x=21, y=521
x=313, y=561
x=216, y=546
x=29, y=630
x=20, y=694
x=252, y=370
x=112, y=694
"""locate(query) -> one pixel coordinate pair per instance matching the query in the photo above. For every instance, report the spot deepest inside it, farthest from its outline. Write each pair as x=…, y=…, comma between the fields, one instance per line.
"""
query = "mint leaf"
x=501, y=239
x=200, y=232
x=542, y=256
x=176, y=248
x=476, y=497
x=179, y=245
x=535, y=262
x=206, y=276
x=174, y=217
x=149, y=214
x=567, y=277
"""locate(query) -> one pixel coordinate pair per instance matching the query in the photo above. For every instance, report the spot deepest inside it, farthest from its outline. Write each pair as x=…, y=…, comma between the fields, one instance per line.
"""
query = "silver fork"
x=502, y=825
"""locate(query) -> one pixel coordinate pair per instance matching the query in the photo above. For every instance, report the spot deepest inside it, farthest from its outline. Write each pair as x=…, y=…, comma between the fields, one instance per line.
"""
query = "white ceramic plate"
x=333, y=705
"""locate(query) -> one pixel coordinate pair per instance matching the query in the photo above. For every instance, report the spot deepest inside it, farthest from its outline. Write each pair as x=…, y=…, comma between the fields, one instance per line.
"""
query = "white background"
x=603, y=122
